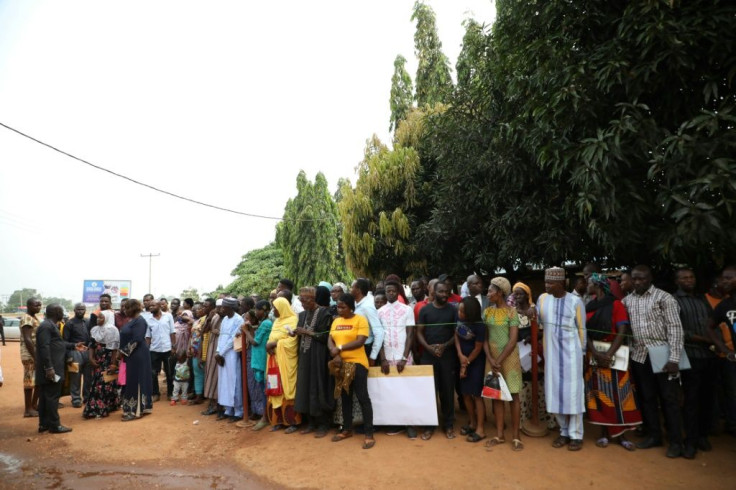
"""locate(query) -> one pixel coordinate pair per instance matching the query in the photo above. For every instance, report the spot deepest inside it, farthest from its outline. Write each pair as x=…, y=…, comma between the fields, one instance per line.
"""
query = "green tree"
x=583, y=130
x=19, y=298
x=402, y=97
x=190, y=293
x=308, y=234
x=433, y=80
x=257, y=273
x=67, y=304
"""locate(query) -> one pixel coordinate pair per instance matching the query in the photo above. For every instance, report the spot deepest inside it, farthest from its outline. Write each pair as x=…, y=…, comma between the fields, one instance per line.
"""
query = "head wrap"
x=230, y=302
x=554, y=274
x=601, y=281
x=322, y=296
x=325, y=284
x=526, y=289
x=503, y=284
x=108, y=333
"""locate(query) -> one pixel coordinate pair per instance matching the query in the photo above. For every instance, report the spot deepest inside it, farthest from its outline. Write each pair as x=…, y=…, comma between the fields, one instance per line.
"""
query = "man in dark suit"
x=51, y=352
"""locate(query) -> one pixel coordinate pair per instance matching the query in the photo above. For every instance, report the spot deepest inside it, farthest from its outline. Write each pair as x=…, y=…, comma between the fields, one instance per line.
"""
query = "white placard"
x=403, y=399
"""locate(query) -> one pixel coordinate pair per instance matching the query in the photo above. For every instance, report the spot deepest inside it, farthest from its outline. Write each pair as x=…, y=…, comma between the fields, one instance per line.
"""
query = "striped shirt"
x=694, y=313
x=655, y=320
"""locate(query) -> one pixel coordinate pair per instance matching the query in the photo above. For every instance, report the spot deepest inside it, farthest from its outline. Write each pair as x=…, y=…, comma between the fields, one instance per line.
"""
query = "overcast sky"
x=223, y=102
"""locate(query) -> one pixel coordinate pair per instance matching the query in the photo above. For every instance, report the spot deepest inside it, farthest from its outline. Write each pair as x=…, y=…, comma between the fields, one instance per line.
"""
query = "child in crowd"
x=181, y=379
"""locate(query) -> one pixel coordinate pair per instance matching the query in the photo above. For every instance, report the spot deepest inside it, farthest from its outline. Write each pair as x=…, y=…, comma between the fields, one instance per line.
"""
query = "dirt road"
x=168, y=450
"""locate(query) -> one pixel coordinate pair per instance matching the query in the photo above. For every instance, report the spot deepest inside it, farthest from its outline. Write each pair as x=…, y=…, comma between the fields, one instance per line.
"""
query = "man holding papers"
x=655, y=325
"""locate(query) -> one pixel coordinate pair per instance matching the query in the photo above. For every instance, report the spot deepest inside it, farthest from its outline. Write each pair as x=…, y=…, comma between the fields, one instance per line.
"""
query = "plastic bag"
x=495, y=388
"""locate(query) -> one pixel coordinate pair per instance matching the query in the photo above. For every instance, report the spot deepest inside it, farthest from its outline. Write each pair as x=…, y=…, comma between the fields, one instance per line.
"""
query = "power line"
x=153, y=188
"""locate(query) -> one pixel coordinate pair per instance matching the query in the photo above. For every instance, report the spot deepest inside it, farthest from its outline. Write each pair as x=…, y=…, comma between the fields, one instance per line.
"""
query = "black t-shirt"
x=439, y=323
x=725, y=312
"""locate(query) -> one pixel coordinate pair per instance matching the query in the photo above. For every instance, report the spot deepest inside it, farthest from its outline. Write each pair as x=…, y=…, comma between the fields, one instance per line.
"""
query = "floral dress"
x=103, y=397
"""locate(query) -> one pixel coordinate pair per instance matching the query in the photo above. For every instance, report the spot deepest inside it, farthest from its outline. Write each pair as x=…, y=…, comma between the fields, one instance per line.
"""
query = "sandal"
x=292, y=429
x=306, y=431
x=128, y=418
x=450, y=433
x=495, y=442
x=320, y=433
x=427, y=434
x=628, y=445
x=276, y=427
x=517, y=445
x=475, y=437
x=30, y=414
x=466, y=430
x=560, y=441
x=575, y=445
x=602, y=442
x=342, y=436
x=369, y=443
x=262, y=424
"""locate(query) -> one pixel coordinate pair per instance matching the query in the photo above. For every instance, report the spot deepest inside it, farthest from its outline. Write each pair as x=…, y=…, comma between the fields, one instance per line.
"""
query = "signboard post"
x=117, y=289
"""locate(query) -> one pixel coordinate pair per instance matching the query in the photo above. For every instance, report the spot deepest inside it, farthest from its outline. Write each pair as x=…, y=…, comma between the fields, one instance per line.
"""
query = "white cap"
x=218, y=302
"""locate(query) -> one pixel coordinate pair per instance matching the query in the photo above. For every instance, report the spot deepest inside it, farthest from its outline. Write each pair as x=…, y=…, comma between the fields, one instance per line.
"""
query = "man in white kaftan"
x=229, y=374
x=562, y=316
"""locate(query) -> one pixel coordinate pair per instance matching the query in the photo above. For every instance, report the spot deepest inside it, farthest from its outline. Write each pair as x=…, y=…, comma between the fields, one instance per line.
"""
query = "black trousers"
x=48, y=405
x=159, y=360
x=699, y=389
x=360, y=388
x=2, y=333
x=656, y=389
x=445, y=372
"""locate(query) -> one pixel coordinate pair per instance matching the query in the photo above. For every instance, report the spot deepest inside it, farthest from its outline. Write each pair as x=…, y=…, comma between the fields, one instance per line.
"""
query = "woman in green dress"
x=502, y=351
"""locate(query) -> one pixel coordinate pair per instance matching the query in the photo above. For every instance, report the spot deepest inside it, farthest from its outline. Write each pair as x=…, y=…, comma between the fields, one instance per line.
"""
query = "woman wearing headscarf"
x=527, y=318
x=608, y=395
x=282, y=348
x=314, y=390
x=103, y=395
x=503, y=353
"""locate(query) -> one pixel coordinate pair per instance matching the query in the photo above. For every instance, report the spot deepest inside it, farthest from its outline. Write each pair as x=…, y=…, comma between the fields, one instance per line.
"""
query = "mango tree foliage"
x=258, y=272
x=309, y=233
x=402, y=96
x=433, y=80
x=581, y=130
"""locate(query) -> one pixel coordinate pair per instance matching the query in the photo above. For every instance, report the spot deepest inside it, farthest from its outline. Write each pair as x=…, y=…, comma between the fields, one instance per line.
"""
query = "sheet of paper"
x=403, y=399
x=525, y=355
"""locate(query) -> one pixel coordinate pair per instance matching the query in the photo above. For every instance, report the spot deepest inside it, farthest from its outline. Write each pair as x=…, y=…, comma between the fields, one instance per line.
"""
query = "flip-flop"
x=466, y=430
x=291, y=429
x=602, y=442
x=276, y=427
x=517, y=445
x=628, y=445
x=475, y=437
x=494, y=442
x=427, y=434
x=450, y=433
x=342, y=436
x=369, y=443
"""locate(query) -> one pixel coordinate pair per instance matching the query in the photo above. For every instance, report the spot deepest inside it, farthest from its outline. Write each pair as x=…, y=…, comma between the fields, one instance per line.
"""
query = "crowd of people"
x=618, y=350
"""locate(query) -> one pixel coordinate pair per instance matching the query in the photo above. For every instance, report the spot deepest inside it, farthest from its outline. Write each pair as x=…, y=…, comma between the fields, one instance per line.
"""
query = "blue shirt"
x=160, y=331
x=228, y=328
x=367, y=308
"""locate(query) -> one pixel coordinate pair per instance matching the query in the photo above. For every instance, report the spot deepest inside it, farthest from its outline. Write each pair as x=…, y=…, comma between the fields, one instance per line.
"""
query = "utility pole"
x=150, y=256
